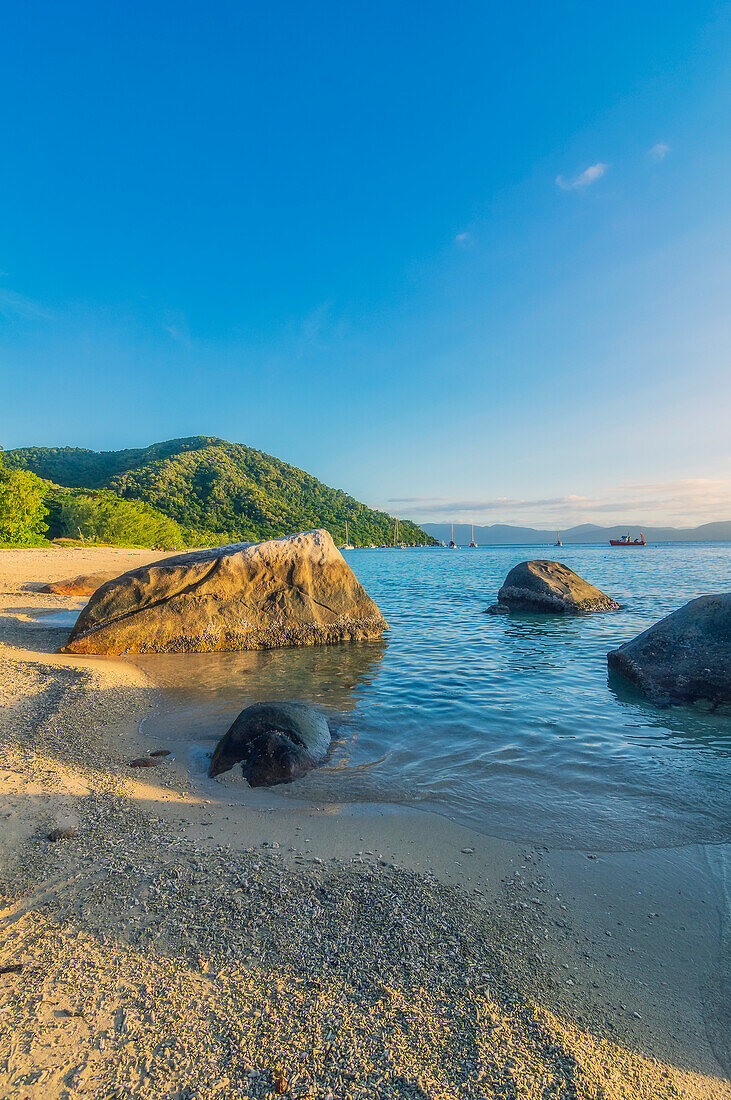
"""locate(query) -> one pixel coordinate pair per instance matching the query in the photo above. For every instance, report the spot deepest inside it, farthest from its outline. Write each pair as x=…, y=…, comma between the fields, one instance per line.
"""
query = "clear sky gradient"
x=468, y=261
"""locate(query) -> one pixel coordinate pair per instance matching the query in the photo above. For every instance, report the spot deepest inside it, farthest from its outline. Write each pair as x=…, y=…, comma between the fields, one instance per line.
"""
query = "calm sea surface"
x=504, y=723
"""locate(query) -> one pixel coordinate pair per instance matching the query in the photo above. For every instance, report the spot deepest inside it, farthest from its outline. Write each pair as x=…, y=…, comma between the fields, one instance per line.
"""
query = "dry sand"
x=175, y=944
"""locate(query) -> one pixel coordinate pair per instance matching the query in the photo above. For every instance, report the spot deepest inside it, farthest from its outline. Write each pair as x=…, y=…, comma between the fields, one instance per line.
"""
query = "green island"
x=183, y=492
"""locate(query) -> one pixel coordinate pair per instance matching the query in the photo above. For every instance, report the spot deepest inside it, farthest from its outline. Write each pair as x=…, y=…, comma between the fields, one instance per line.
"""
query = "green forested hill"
x=209, y=485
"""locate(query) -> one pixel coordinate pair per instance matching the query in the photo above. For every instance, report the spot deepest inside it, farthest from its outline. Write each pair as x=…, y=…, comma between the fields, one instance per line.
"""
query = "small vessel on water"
x=452, y=543
x=346, y=545
x=626, y=540
x=473, y=544
x=398, y=545
x=558, y=539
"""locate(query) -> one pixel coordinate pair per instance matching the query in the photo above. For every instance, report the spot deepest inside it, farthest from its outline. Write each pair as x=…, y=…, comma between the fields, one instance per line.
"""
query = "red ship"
x=627, y=541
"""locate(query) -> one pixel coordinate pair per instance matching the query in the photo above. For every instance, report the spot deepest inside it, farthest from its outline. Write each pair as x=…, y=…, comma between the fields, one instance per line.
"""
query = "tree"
x=22, y=507
x=102, y=517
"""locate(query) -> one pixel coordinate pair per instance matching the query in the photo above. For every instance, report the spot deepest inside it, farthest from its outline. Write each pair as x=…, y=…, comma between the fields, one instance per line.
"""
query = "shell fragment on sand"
x=292, y=591
x=548, y=587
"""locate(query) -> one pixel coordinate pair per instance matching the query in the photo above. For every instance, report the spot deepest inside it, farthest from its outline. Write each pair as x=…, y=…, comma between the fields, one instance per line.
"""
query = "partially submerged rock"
x=273, y=743
x=684, y=657
x=85, y=584
x=549, y=587
x=287, y=592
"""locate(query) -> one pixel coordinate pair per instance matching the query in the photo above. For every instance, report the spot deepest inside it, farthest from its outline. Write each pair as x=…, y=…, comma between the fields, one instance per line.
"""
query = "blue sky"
x=467, y=261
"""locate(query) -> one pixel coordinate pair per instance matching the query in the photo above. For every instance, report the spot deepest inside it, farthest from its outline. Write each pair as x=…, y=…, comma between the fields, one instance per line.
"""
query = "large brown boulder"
x=288, y=592
x=549, y=587
x=85, y=584
x=684, y=657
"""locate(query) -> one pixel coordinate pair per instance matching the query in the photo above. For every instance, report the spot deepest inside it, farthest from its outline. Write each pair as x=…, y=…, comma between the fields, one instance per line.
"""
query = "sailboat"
x=346, y=545
x=558, y=540
x=473, y=544
x=452, y=543
x=397, y=545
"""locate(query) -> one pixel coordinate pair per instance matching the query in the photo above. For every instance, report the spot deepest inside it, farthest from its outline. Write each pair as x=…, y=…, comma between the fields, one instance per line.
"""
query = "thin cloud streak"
x=15, y=306
x=688, y=502
x=590, y=175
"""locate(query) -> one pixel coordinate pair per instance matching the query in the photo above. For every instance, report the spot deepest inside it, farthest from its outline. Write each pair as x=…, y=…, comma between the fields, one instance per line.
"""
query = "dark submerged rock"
x=684, y=657
x=548, y=587
x=273, y=743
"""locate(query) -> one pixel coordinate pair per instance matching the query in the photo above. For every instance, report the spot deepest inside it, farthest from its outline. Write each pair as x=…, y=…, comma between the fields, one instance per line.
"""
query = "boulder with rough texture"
x=272, y=743
x=291, y=591
x=85, y=584
x=549, y=587
x=684, y=657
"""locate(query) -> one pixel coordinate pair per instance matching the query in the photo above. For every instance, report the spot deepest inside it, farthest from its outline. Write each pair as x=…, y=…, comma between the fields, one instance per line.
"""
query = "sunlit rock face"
x=684, y=657
x=291, y=591
x=549, y=587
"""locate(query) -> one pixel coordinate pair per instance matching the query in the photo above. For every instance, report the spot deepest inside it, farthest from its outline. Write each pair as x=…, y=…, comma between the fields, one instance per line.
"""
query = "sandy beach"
x=173, y=943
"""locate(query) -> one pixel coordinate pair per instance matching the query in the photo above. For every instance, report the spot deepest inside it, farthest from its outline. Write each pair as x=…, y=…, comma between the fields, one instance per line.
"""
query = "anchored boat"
x=627, y=541
x=347, y=545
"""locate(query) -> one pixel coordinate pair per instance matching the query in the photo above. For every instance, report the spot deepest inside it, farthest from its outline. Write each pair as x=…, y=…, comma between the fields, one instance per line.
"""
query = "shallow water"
x=504, y=723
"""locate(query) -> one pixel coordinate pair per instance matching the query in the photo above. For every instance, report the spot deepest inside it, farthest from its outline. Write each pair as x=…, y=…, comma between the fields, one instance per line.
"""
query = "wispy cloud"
x=590, y=175
x=463, y=239
x=175, y=324
x=15, y=306
x=659, y=151
x=316, y=329
x=686, y=502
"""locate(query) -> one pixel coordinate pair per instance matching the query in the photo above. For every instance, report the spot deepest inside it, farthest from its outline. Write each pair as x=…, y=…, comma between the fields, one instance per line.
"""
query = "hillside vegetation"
x=22, y=507
x=217, y=490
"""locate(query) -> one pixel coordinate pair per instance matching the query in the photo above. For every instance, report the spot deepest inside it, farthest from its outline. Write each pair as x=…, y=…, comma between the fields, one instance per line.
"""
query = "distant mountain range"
x=501, y=534
x=223, y=489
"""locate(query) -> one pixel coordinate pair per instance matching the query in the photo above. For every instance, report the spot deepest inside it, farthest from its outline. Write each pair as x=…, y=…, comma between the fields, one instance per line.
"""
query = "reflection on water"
x=701, y=726
x=506, y=723
x=207, y=690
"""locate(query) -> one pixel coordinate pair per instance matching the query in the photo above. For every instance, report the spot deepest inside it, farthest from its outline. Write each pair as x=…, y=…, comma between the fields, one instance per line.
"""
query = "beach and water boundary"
x=638, y=969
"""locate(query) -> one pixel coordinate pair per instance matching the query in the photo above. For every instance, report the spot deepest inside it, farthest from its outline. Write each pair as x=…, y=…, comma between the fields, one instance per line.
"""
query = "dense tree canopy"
x=103, y=518
x=207, y=485
x=22, y=507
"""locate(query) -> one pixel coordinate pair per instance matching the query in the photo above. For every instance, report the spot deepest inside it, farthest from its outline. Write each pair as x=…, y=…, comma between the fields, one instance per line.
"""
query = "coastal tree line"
x=192, y=492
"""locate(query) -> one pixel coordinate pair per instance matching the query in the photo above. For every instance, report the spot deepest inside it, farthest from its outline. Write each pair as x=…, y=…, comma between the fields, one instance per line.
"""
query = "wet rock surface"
x=683, y=658
x=273, y=743
x=548, y=587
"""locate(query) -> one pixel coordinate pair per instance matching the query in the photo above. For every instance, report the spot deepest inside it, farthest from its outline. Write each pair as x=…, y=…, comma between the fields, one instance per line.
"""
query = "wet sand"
x=181, y=943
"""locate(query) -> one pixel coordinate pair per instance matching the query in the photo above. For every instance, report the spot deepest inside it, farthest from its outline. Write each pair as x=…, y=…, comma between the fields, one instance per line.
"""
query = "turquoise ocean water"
x=508, y=724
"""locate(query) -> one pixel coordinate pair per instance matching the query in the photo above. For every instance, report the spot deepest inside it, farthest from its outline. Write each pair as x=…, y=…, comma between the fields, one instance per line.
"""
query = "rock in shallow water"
x=287, y=592
x=684, y=657
x=273, y=743
x=549, y=587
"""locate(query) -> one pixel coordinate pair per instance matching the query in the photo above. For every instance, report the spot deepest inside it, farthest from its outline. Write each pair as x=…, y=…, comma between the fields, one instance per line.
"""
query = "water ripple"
x=506, y=723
